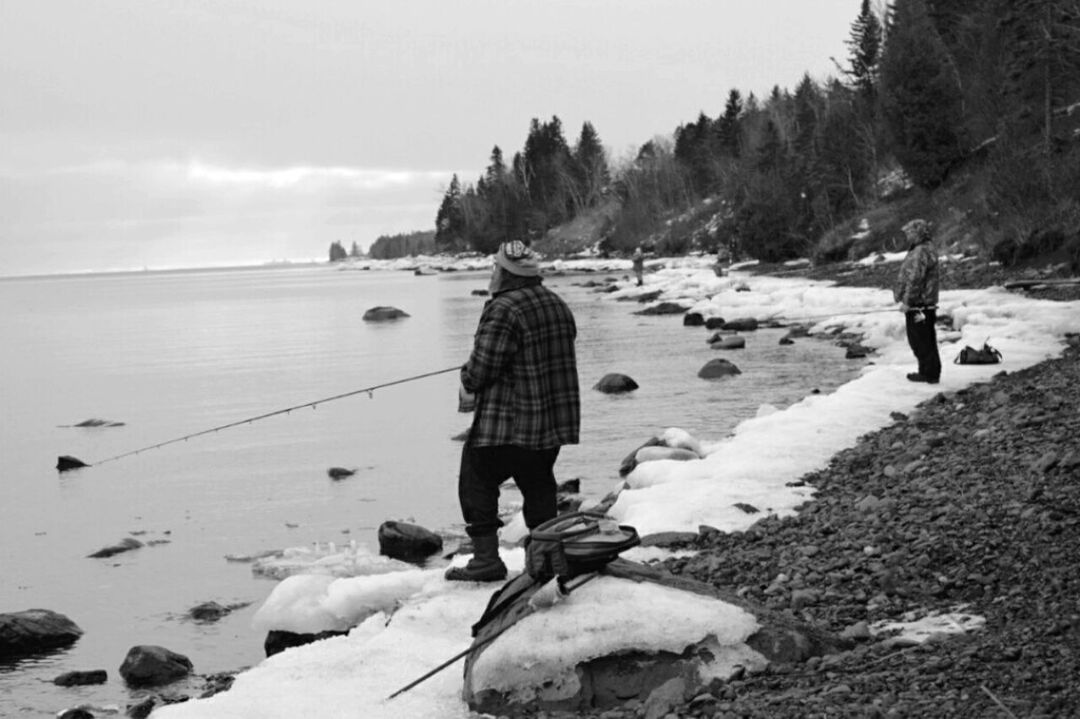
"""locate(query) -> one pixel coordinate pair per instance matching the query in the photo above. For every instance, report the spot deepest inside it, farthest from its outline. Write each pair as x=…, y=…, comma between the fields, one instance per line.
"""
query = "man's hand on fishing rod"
x=466, y=399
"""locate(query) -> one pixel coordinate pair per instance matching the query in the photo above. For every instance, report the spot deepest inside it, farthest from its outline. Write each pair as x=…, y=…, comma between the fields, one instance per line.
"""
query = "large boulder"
x=148, y=665
x=693, y=319
x=384, y=313
x=407, y=542
x=34, y=631
x=715, y=368
x=607, y=668
x=615, y=383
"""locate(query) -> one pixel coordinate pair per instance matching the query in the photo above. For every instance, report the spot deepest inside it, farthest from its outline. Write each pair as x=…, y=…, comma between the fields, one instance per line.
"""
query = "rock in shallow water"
x=35, y=630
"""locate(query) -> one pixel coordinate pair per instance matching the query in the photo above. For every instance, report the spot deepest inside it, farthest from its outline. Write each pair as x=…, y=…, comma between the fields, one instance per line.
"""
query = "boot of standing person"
x=485, y=565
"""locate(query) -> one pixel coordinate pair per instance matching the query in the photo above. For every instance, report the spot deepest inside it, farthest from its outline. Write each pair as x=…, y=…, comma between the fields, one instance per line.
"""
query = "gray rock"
x=715, y=368
x=80, y=678
x=209, y=612
x=150, y=665
x=278, y=640
x=741, y=324
x=384, y=313
x=35, y=630
x=615, y=383
x=407, y=542
x=124, y=545
x=664, y=308
x=727, y=342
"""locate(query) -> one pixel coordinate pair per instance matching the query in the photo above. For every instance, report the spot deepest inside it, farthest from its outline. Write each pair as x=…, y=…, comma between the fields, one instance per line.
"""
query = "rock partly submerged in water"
x=615, y=383
x=124, y=545
x=407, y=542
x=149, y=665
x=716, y=368
x=66, y=462
x=384, y=313
x=34, y=631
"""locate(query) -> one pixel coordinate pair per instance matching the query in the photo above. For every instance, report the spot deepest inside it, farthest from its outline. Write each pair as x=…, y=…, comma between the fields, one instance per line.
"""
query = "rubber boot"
x=485, y=565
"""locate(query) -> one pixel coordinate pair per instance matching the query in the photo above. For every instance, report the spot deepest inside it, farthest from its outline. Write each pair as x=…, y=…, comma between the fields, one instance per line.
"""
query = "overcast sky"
x=195, y=132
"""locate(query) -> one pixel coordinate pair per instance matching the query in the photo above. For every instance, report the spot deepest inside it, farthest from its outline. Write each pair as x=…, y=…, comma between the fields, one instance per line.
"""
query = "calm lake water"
x=169, y=354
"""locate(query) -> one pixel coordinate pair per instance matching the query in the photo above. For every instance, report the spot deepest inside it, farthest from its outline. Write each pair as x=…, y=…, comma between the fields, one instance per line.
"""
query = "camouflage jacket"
x=917, y=284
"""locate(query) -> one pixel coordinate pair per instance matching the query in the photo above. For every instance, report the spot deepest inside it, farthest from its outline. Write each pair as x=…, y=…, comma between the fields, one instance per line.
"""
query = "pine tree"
x=450, y=219
x=727, y=126
x=921, y=101
x=1042, y=45
x=590, y=166
x=865, y=43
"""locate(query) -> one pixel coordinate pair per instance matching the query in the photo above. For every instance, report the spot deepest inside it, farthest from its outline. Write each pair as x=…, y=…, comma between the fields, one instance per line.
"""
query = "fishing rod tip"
x=66, y=462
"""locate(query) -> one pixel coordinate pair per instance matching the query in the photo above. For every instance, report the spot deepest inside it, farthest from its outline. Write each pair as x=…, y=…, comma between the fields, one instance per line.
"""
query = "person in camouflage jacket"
x=521, y=383
x=916, y=290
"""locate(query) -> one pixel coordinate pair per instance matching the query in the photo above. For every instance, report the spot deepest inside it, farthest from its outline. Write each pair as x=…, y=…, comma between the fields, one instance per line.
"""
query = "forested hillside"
x=964, y=111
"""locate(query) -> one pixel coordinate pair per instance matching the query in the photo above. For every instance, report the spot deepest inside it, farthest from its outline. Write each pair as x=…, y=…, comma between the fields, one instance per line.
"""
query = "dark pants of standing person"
x=922, y=337
x=483, y=469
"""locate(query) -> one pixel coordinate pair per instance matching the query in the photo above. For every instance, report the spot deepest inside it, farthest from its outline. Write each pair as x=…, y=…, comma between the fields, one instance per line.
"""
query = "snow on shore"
x=412, y=621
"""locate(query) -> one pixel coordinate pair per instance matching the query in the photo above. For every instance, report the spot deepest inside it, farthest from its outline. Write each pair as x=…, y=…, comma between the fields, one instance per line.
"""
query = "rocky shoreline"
x=972, y=501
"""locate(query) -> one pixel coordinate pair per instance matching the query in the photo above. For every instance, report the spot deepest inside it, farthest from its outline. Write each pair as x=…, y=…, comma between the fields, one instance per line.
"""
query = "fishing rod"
x=67, y=462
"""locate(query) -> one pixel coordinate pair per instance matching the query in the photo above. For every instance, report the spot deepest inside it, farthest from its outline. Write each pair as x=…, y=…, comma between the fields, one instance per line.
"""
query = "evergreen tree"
x=354, y=251
x=770, y=150
x=337, y=251
x=590, y=166
x=1042, y=45
x=865, y=43
x=727, y=125
x=450, y=219
x=921, y=101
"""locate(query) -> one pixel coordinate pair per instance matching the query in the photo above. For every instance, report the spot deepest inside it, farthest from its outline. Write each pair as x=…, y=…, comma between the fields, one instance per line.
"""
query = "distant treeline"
x=928, y=86
x=389, y=247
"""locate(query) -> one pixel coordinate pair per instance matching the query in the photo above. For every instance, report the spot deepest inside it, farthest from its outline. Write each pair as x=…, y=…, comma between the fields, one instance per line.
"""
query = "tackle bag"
x=576, y=543
x=986, y=355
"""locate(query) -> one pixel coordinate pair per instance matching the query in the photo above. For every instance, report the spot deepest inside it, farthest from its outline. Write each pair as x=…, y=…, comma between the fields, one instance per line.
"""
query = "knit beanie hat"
x=917, y=231
x=516, y=258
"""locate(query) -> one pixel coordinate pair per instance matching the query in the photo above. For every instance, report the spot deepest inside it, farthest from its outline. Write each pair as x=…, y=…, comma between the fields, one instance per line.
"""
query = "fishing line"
x=67, y=462
x=829, y=316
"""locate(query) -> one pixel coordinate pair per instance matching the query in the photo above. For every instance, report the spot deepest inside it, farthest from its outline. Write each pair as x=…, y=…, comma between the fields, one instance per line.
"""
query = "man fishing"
x=521, y=383
x=917, y=292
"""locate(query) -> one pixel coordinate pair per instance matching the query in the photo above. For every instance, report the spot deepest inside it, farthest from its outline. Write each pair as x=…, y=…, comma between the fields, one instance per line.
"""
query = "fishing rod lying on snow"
x=67, y=462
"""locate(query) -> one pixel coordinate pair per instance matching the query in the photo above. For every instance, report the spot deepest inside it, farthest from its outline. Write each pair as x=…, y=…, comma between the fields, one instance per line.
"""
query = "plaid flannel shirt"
x=917, y=283
x=523, y=370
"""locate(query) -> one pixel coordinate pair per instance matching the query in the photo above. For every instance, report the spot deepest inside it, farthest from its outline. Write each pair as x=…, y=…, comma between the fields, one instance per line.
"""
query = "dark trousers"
x=922, y=337
x=483, y=469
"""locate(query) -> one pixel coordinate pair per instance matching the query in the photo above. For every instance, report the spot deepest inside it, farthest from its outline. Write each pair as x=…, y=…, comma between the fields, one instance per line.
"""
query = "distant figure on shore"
x=521, y=383
x=639, y=265
x=917, y=292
